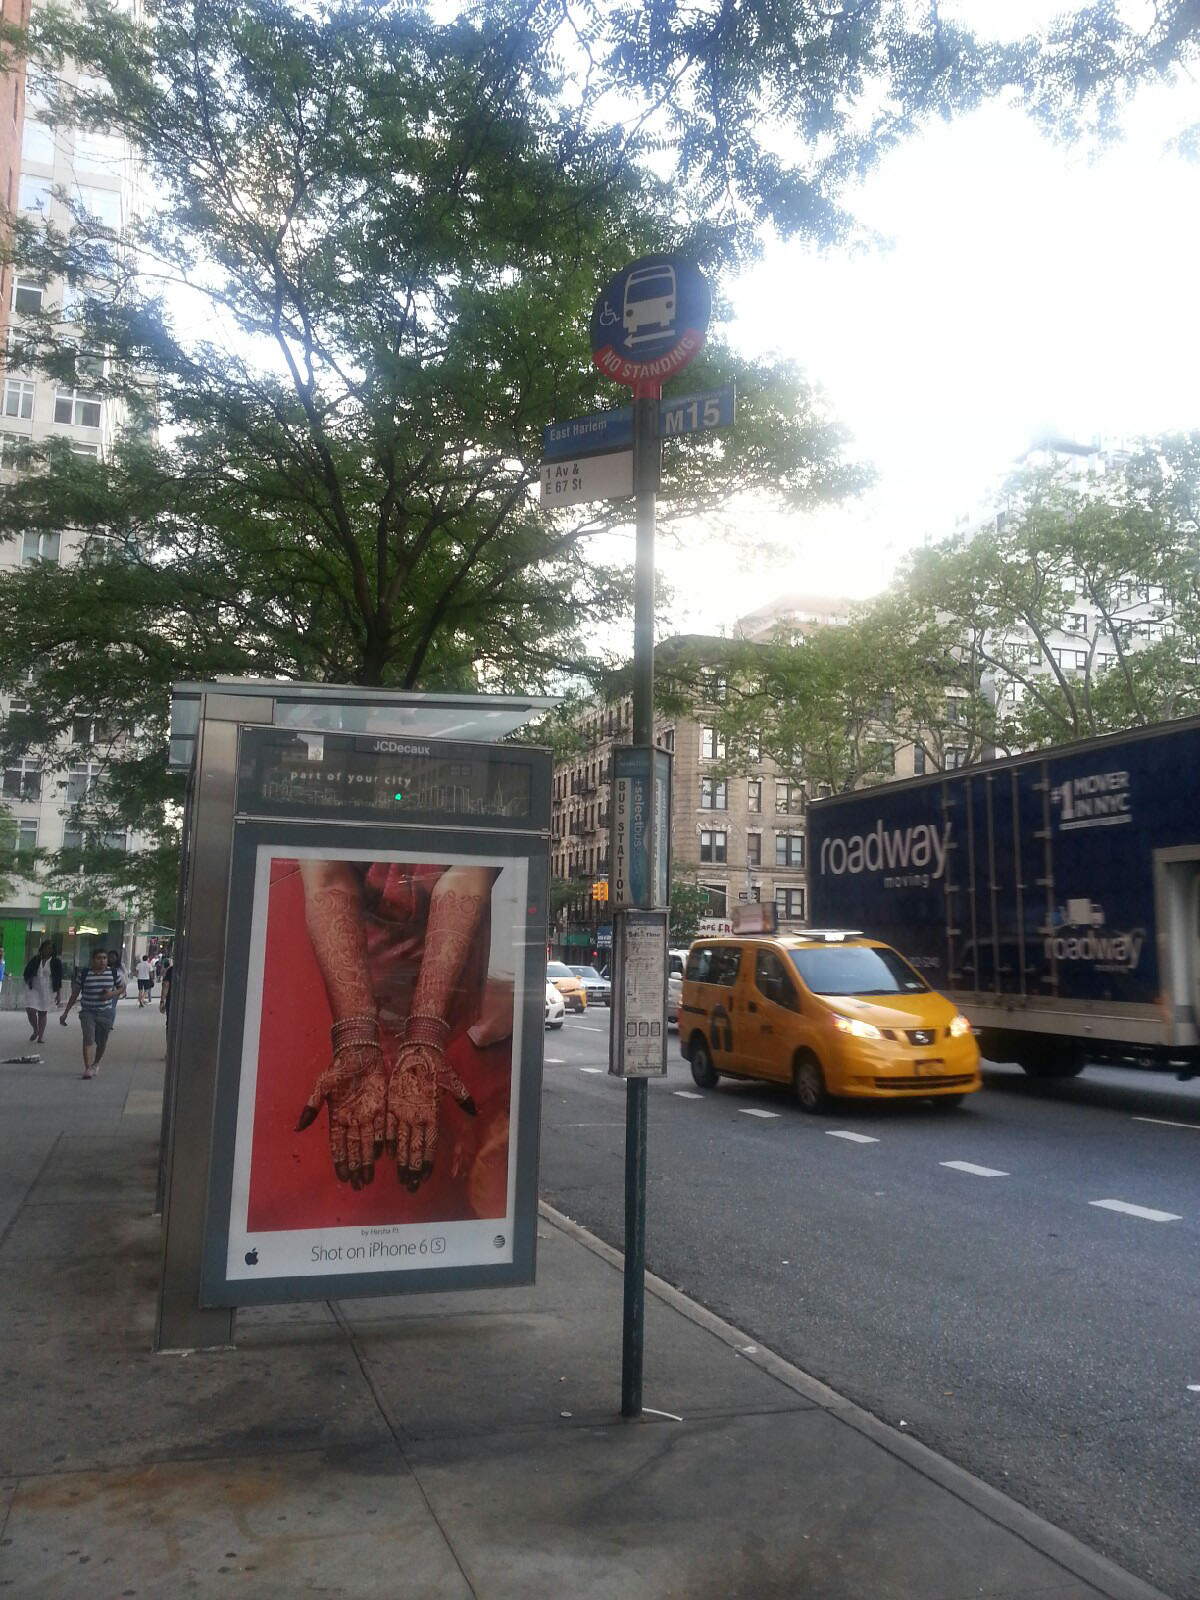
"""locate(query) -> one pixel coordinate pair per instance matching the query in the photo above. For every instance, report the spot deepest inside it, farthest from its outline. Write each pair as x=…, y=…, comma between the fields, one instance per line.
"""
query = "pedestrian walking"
x=145, y=980
x=164, y=1005
x=94, y=991
x=119, y=980
x=43, y=983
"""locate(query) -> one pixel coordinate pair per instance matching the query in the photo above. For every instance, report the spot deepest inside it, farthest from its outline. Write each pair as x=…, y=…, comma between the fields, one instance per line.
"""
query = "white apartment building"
x=64, y=172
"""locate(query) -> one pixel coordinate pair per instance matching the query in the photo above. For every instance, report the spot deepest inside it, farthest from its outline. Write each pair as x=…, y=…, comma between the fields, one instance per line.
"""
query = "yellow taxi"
x=569, y=985
x=828, y=1011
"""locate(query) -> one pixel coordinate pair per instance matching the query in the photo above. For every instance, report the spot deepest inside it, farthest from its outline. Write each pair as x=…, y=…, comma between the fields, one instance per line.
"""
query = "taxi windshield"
x=856, y=969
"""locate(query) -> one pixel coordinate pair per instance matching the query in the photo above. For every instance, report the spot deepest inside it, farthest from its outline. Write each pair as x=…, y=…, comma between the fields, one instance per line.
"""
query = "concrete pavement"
x=442, y=1446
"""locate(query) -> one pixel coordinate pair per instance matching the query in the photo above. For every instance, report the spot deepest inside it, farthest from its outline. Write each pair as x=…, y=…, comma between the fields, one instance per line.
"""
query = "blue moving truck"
x=1055, y=896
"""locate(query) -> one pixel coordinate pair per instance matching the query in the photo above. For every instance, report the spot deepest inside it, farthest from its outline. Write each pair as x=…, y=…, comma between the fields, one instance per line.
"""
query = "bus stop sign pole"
x=648, y=323
x=646, y=451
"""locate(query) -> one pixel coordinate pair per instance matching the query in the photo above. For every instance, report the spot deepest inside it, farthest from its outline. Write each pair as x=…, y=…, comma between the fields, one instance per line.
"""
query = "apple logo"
x=251, y=1258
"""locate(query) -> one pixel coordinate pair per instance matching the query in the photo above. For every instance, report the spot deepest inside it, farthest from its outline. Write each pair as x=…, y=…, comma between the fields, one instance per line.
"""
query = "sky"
x=1027, y=288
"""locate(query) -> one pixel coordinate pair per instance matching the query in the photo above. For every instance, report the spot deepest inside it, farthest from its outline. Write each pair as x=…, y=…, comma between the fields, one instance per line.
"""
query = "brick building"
x=744, y=835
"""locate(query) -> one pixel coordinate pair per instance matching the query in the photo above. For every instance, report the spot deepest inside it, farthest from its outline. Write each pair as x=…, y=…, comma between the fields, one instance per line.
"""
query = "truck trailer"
x=1055, y=895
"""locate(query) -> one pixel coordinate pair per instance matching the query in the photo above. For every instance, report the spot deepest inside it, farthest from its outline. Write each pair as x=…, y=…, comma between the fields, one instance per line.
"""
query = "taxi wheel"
x=704, y=1074
x=808, y=1081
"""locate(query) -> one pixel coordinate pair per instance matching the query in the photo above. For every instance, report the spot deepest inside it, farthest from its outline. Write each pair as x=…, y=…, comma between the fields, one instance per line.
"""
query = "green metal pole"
x=645, y=485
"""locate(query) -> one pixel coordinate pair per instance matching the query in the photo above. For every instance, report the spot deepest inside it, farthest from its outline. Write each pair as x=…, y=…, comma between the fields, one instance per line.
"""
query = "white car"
x=556, y=1008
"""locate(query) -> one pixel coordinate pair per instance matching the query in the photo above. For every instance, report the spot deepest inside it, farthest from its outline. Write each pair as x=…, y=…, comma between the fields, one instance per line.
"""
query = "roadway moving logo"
x=905, y=855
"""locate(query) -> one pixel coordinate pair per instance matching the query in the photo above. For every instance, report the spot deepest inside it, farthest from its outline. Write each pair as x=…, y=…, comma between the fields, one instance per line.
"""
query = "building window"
x=955, y=758
x=26, y=841
x=37, y=144
x=78, y=408
x=714, y=795
x=789, y=849
x=712, y=847
x=754, y=849
x=789, y=904
x=712, y=744
x=40, y=547
x=718, y=899
x=34, y=197
x=97, y=152
x=81, y=780
x=789, y=799
x=72, y=839
x=100, y=205
x=26, y=296
x=714, y=686
x=114, y=841
x=754, y=795
x=18, y=398
x=918, y=761
x=754, y=747
x=1077, y=622
x=887, y=757
x=23, y=780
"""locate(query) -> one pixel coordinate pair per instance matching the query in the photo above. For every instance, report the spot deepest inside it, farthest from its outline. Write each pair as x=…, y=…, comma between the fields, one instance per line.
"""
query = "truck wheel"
x=1051, y=1061
x=808, y=1083
x=704, y=1074
x=1052, y=1069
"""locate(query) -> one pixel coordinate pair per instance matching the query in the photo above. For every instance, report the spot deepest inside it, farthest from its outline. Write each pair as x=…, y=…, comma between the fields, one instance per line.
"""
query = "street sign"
x=688, y=413
x=650, y=321
x=607, y=477
x=606, y=431
x=595, y=435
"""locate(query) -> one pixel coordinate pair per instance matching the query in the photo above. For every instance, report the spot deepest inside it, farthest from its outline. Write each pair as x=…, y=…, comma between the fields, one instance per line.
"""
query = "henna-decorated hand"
x=413, y=1114
x=354, y=1087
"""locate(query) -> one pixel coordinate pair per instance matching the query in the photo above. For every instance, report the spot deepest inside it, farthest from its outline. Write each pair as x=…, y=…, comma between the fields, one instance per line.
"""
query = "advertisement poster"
x=377, y=1100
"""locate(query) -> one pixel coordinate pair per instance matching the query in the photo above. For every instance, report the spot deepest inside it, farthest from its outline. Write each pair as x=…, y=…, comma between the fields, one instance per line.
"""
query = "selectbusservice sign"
x=650, y=321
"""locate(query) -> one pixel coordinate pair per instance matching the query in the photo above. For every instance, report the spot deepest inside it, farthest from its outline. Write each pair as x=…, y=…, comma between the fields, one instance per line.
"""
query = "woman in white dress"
x=43, y=982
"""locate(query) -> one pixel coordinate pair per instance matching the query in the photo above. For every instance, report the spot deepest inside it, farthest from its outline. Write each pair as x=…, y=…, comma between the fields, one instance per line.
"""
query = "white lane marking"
x=555, y=1061
x=753, y=1111
x=1136, y=1211
x=1163, y=1123
x=978, y=1172
x=591, y=1069
x=687, y=1094
x=855, y=1138
x=587, y=1027
x=1194, y=1387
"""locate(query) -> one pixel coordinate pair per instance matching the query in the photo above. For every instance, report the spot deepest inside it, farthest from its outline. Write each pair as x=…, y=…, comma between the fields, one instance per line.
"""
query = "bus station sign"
x=650, y=321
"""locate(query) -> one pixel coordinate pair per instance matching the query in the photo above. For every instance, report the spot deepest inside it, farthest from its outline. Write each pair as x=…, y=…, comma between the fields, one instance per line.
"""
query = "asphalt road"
x=1010, y=1312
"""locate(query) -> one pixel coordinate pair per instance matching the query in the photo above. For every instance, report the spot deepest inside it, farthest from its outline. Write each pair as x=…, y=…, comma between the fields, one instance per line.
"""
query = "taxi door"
x=727, y=1008
x=773, y=1017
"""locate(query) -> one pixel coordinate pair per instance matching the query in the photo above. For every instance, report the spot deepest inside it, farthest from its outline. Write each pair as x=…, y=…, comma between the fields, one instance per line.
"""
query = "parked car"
x=599, y=990
x=568, y=985
x=555, y=1007
x=830, y=1012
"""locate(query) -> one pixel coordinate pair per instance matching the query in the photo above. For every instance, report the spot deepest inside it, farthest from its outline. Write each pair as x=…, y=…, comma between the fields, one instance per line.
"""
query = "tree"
x=1107, y=545
x=391, y=232
x=362, y=297
x=828, y=706
x=690, y=901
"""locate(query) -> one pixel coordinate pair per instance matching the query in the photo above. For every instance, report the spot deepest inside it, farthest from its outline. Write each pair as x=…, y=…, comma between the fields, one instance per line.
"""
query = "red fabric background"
x=292, y=1182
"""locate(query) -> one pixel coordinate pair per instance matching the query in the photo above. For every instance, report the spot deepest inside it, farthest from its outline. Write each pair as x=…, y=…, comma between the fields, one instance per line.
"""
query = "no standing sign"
x=650, y=321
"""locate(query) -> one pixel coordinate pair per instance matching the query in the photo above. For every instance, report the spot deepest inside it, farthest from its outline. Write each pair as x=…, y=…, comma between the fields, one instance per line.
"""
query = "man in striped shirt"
x=95, y=990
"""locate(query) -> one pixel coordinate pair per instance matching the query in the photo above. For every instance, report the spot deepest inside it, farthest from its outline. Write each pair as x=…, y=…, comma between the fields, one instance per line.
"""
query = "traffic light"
x=600, y=889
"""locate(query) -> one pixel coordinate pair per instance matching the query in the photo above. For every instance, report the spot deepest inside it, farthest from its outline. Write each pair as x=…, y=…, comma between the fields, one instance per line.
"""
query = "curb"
x=1076, y=1558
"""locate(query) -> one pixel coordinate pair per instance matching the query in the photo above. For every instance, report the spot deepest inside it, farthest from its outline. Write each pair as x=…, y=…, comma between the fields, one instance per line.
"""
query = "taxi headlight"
x=860, y=1030
x=959, y=1026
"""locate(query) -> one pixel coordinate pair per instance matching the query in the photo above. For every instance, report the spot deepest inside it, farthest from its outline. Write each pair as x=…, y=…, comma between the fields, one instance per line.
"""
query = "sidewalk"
x=441, y=1446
